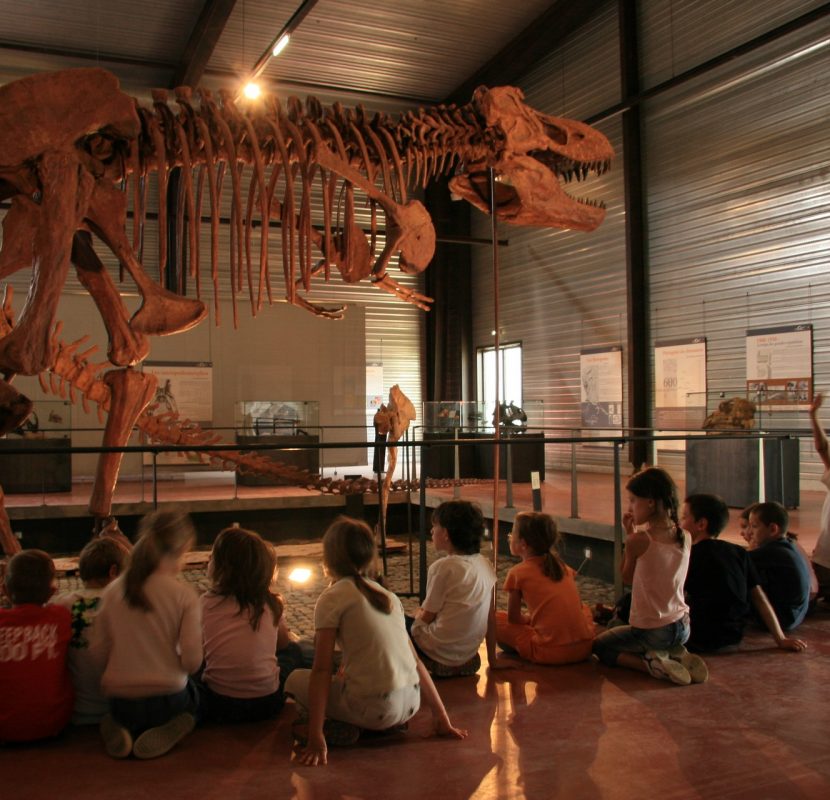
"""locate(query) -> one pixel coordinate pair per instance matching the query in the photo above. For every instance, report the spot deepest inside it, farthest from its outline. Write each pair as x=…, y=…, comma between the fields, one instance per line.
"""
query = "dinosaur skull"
x=530, y=153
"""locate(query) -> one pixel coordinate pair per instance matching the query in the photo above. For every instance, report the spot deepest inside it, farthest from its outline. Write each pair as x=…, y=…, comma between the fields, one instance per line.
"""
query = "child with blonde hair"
x=655, y=564
x=558, y=628
x=381, y=681
x=150, y=637
x=243, y=626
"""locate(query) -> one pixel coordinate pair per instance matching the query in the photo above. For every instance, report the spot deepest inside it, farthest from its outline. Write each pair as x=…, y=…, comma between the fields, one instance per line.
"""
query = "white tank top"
x=657, y=590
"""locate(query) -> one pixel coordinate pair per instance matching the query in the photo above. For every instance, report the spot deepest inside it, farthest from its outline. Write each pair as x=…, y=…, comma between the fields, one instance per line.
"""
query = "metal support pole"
x=155, y=480
x=508, y=476
x=574, y=492
x=422, y=555
x=618, y=542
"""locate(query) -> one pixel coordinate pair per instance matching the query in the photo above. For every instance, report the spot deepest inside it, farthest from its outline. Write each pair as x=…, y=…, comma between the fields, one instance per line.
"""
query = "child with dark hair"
x=743, y=525
x=722, y=585
x=243, y=626
x=35, y=686
x=459, y=609
x=782, y=571
x=655, y=563
x=101, y=561
x=381, y=682
x=558, y=628
x=150, y=636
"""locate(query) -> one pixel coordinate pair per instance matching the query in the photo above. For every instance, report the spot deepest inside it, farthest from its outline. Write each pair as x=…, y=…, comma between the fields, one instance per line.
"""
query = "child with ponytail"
x=381, y=682
x=150, y=638
x=655, y=563
x=558, y=628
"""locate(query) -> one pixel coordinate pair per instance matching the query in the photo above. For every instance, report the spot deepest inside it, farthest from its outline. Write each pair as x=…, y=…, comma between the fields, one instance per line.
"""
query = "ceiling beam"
x=535, y=42
x=202, y=42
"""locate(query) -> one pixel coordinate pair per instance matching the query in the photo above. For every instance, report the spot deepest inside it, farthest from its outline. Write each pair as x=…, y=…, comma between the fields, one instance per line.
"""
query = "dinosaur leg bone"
x=126, y=346
x=130, y=392
x=65, y=190
x=162, y=312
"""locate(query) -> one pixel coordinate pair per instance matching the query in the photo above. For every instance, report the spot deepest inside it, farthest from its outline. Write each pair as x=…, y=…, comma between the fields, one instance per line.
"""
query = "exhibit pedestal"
x=303, y=459
x=731, y=468
x=34, y=472
x=527, y=454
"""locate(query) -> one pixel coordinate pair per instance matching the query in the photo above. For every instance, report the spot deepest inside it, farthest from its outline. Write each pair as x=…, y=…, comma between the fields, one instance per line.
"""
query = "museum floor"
x=758, y=729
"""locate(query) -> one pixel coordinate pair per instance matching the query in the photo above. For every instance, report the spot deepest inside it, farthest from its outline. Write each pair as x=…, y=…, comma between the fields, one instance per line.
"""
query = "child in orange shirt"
x=558, y=628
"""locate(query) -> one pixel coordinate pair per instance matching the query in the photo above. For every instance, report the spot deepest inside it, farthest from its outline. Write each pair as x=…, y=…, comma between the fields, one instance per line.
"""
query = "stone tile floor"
x=300, y=600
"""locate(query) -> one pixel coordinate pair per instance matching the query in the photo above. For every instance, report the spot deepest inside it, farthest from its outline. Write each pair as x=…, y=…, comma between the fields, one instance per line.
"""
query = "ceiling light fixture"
x=280, y=41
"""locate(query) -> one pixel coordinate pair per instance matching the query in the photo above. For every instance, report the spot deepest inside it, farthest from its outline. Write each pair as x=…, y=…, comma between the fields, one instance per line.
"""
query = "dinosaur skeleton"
x=76, y=152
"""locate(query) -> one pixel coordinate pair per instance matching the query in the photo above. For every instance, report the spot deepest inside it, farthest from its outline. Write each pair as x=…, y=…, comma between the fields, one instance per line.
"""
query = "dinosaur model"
x=76, y=155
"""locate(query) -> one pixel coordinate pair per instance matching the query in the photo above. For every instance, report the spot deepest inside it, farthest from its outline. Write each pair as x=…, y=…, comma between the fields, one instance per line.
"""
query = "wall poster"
x=601, y=392
x=779, y=366
x=184, y=388
x=679, y=387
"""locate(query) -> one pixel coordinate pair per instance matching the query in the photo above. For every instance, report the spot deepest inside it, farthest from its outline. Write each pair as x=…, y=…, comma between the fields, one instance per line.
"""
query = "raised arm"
x=636, y=543
x=767, y=614
x=819, y=436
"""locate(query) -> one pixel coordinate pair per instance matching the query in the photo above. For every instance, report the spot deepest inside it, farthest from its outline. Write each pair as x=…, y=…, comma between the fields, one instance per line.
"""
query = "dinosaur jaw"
x=529, y=191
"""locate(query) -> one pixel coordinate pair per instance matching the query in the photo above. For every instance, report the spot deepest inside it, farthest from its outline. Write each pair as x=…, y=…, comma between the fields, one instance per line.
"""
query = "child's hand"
x=501, y=662
x=441, y=726
x=796, y=645
x=815, y=405
x=314, y=753
x=628, y=523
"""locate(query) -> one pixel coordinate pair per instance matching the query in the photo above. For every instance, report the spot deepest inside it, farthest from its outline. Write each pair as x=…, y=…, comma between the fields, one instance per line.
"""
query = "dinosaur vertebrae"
x=275, y=152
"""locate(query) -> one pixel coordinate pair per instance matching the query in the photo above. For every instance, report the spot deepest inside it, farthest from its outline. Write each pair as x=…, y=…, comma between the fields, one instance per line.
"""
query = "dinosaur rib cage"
x=267, y=155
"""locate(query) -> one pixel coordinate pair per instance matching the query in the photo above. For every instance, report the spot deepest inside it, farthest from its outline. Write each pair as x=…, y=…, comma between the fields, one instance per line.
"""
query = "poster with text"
x=183, y=388
x=374, y=387
x=601, y=390
x=779, y=366
x=679, y=387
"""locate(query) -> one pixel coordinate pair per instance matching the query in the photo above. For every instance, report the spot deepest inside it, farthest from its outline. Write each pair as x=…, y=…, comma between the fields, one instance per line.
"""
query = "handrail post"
x=422, y=554
x=508, y=474
x=155, y=479
x=574, y=492
x=618, y=585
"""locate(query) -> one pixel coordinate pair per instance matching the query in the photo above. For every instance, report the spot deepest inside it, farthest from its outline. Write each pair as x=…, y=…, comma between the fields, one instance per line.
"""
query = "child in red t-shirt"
x=35, y=686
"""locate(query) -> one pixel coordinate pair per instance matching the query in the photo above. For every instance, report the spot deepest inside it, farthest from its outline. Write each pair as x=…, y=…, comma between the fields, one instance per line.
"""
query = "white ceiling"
x=384, y=52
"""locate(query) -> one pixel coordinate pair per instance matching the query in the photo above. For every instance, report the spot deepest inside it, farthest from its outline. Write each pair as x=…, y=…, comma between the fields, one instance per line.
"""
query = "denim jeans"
x=628, y=639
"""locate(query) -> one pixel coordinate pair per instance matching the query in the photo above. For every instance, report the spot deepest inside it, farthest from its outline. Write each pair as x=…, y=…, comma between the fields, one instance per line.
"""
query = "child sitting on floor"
x=381, y=682
x=558, y=628
x=150, y=637
x=655, y=564
x=101, y=561
x=243, y=626
x=35, y=688
x=459, y=609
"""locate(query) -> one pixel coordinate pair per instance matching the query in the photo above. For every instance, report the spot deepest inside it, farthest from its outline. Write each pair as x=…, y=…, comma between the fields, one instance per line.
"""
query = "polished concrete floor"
x=758, y=729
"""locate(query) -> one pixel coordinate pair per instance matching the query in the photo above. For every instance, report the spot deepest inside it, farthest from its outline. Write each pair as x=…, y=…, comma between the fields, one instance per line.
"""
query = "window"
x=510, y=379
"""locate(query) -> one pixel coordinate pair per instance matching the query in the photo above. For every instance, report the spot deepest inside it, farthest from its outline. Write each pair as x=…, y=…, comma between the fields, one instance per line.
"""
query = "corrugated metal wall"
x=562, y=291
x=738, y=192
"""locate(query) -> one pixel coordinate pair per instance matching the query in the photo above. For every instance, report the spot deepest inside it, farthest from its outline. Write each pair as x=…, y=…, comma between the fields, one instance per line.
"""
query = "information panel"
x=779, y=365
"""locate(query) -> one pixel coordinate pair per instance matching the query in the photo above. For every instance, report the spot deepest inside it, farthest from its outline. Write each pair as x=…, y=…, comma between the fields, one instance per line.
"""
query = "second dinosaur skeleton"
x=76, y=153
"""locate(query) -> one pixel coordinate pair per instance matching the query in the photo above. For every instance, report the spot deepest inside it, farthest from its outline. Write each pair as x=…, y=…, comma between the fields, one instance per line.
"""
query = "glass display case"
x=445, y=421
x=276, y=417
x=46, y=464
x=282, y=423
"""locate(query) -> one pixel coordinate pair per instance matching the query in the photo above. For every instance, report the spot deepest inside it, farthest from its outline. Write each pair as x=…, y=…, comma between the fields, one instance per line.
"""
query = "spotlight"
x=251, y=90
x=299, y=575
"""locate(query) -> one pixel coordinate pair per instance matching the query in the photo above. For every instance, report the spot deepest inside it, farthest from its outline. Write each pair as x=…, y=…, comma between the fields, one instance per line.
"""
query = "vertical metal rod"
x=408, y=462
x=618, y=585
x=155, y=480
x=456, y=490
x=494, y=246
x=574, y=492
x=422, y=554
x=508, y=475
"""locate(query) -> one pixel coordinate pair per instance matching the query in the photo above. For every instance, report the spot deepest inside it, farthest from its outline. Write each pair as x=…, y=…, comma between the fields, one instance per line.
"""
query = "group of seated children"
x=149, y=658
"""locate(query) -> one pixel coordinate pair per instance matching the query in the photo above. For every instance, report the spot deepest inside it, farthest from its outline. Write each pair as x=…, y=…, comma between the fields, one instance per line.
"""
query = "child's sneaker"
x=117, y=739
x=695, y=665
x=155, y=742
x=340, y=734
x=661, y=666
